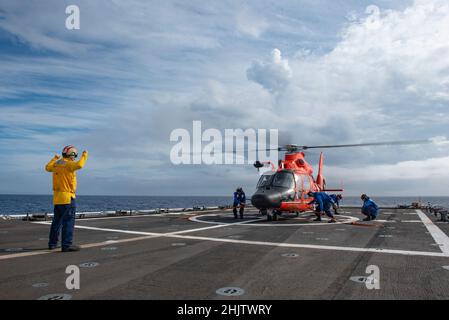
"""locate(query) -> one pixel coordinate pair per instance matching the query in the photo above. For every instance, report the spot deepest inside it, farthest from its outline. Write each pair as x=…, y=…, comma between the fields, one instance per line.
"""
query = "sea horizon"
x=188, y=195
x=17, y=204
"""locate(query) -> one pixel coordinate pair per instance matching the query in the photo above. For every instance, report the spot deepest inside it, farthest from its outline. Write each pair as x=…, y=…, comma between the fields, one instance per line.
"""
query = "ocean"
x=22, y=204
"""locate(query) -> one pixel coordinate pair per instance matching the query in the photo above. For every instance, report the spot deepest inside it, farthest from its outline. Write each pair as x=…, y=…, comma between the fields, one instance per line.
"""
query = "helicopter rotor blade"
x=297, y=148
x=389, y=143
x=272, y=149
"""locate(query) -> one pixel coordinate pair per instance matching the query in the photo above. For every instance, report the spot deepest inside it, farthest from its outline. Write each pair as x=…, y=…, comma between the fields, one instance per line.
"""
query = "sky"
x=320, y=72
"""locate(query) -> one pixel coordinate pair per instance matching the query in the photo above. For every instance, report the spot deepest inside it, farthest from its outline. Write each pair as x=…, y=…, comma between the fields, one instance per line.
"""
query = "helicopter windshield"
x=265, y=180
x=283, y=180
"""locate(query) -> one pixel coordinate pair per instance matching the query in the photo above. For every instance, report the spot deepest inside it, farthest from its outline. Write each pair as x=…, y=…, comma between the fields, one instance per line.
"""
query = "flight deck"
x=211, y=255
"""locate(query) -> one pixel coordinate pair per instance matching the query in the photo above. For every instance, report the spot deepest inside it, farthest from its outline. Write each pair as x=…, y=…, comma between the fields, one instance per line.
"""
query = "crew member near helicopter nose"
x=324, y=202
x=239, y=200
x=369, y=208
x=64, y=188
x=336, y=198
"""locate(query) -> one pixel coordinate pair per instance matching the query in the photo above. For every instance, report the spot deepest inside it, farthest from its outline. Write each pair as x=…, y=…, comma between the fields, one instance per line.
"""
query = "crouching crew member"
x=239, y=200
x=324, y=203
x=369, y=208
x=336, y=198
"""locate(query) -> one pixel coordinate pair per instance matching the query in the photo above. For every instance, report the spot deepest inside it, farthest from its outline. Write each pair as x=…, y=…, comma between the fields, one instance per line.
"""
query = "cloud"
x=433, y=168
x=250, y=24
x=274, y=75
x=405, y=178
x=120, y=85
x=406, y=52
x=387, y=79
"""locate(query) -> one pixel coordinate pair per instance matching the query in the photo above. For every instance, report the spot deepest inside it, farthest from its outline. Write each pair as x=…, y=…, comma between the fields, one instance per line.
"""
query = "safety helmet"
x=363, y=197
x=239, y=189
x=69, y=152
x=310, y=193
x=339, y=196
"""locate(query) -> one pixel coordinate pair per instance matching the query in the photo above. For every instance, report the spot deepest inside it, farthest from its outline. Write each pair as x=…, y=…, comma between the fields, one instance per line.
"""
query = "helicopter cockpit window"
x=264, y=180
x=283, y=180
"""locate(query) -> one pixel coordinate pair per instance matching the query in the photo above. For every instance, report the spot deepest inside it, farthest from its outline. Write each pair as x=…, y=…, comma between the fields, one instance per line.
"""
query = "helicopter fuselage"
x=286, y=188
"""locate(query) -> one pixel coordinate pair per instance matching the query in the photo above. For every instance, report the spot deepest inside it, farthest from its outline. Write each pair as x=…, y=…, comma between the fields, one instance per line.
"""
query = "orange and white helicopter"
x=285, y=189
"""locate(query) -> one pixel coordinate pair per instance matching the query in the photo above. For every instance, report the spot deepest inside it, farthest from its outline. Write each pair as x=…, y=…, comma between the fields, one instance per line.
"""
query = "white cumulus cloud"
x=273, y=75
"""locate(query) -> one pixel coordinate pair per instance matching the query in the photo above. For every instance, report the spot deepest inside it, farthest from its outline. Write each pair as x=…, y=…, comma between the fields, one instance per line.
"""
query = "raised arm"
x=49, y=167
x=79, y=164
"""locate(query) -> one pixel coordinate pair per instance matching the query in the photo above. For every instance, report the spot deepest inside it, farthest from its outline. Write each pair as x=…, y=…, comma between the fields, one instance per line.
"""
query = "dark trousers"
x=326, y=209
x=64, y=216
x=370, y=212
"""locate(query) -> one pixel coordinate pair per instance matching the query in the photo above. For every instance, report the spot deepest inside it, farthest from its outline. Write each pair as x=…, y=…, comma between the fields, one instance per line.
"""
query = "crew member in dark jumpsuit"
x=239, y=200
x=370, y=209
x=324, y=203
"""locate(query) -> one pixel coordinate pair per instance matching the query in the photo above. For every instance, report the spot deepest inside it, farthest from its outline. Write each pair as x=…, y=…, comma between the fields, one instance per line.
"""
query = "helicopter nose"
x=266, y=200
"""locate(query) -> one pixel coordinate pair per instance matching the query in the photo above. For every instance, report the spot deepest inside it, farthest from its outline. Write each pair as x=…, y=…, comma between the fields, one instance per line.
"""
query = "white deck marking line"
x=148, y=235
x=273, y=244
x=349, y=220
x=195, y=219
x=89, y=245
x=213, y=227
x=155, y=233
x=439, y=236
x=152, y=215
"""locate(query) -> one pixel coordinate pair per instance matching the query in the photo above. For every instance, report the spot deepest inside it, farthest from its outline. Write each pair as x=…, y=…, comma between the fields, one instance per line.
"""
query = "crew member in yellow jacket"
x=64, y=188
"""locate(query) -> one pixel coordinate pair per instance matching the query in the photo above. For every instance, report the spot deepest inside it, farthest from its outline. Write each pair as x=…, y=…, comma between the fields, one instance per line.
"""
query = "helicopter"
x=286, y=188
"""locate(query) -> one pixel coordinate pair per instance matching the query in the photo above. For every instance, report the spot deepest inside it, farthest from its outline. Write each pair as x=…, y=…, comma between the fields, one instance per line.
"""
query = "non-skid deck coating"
x=191, y=256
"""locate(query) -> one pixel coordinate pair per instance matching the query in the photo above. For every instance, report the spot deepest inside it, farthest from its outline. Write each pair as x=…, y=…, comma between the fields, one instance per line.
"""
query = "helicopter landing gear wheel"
x=273, y=215
x=276, y=215
x=263, y=212
x=297, y=214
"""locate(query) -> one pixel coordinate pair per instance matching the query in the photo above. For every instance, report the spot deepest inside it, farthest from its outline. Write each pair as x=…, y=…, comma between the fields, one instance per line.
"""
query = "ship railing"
x=114, y=213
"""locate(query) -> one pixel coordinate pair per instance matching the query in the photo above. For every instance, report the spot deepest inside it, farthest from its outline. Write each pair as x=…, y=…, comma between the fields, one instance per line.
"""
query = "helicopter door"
x=306, y=185
x=299, y=186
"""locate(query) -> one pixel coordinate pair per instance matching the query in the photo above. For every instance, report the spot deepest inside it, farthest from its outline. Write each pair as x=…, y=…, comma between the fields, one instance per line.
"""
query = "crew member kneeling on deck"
x=64, y=188
x=324, y=203
x=369, y=208
x=239, y=200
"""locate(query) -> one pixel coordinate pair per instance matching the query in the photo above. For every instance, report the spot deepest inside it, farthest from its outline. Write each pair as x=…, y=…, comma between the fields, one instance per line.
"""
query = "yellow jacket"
x=64, y=177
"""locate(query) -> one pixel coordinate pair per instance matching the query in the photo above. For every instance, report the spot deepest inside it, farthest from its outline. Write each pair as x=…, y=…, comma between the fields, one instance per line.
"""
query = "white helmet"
x=70, y=152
